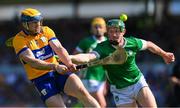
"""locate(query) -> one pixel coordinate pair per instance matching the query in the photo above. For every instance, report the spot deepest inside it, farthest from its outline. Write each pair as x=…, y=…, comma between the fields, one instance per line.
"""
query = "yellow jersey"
x=40, y=47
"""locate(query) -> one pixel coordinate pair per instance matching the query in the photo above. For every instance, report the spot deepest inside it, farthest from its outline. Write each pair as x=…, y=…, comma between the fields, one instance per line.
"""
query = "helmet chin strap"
x=25, y=24
x=26, y=29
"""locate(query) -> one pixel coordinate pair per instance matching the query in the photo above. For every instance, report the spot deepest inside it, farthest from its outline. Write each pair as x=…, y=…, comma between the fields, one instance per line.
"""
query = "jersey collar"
x=98, y=41
x=25, y=32
x=125, y=42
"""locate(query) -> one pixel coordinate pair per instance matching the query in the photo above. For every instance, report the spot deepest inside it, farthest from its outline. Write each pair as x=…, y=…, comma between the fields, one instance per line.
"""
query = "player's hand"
x=169, y=57
x=61, y=69
x=72, y=68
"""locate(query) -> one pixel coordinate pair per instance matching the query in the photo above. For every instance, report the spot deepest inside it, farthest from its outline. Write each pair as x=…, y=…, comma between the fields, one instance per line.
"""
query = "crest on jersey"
x=130, y=53
x=43, y=39
x=116, y=98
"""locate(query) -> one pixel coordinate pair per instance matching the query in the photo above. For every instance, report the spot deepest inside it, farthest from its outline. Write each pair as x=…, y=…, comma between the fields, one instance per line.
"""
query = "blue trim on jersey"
x=22, y=50
x=43, y=53
x=52, y=39
x=25, y=32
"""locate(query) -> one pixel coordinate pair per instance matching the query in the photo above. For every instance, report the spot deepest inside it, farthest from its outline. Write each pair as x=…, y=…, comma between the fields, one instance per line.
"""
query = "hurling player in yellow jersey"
x=35, y=46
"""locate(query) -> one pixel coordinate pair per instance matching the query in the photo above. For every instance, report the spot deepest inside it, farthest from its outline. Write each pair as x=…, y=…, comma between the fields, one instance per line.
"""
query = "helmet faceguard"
x=116, y=23
x=30, y=15
x=25, y=18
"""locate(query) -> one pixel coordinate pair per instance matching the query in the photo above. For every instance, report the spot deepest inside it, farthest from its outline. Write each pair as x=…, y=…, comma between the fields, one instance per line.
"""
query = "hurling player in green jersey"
x=127, y=83
x=93, y=78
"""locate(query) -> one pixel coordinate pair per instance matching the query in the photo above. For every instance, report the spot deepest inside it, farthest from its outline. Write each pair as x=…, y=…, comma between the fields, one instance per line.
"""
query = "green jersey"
x=125, y=74
x=96, y=72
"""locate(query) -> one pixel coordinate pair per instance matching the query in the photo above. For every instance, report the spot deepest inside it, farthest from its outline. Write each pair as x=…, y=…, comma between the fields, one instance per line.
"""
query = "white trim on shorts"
x=128, y=94
x=93, y=85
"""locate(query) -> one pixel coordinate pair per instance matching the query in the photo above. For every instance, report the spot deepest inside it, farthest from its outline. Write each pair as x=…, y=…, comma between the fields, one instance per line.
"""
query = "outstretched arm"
x=167, y=56
x=62, y=53
x=83, y=58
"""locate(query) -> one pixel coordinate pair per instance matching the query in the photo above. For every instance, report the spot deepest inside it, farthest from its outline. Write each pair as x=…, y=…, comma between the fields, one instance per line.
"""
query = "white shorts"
x=128, y=94
x=93, y=85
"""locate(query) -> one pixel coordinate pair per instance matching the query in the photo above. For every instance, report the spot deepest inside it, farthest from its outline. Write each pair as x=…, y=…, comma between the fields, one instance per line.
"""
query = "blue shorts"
x=50, y=84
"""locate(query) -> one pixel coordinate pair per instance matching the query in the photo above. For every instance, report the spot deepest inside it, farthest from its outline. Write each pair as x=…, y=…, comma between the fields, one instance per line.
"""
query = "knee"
x=103, y=104
x=100, y=98
x=82, y=92
x=54, y=101
x=146, y=98
x=75, y=87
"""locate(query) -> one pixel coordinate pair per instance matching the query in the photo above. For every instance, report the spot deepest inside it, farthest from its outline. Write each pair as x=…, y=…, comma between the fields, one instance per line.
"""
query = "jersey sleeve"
x=19, y=45
x=81, y=46
x=98, y=51
x=49, y=33
x=140, y=44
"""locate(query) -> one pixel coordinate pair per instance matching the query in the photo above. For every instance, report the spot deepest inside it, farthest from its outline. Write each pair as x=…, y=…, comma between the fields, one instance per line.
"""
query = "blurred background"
x=154, y=20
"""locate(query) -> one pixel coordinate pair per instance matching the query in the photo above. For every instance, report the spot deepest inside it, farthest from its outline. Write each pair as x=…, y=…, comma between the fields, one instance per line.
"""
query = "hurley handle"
x=81, y=66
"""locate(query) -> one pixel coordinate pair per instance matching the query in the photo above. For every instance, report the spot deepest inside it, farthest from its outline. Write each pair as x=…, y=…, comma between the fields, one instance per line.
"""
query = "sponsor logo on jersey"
x=41, y=52
x=46, y=56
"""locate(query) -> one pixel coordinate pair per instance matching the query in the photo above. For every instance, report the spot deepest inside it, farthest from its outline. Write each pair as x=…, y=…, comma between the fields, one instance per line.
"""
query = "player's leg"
x=75, y=87
x=123, y=97
x=127, y=97
x=99, y=96
x=47, y=88
x=146, y=98
x=55, y=101
x=128, y=105
x=96, y=89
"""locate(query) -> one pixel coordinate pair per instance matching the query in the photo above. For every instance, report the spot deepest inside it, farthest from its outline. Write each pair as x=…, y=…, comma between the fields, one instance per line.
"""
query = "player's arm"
x=175, y=80
x=84, y=57
x=62, y=53
x=28, y=57
x=167, y=56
